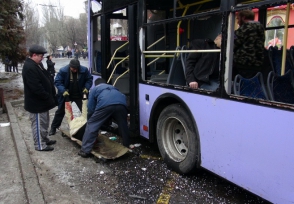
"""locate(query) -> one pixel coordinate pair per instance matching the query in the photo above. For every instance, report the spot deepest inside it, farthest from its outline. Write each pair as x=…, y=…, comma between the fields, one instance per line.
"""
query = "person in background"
x=71, y=81
x=50, y=67
x=39, y=97
x=68, y=54
x=248, y=45
x=275, y=42
x=77, y=53
x=14, y=65
x=202, y=69
x=105, y=101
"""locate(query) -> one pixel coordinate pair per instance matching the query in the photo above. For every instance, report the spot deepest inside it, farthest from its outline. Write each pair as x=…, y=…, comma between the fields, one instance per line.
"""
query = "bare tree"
x=53, y=21
x=75, y=31
x=31, y=25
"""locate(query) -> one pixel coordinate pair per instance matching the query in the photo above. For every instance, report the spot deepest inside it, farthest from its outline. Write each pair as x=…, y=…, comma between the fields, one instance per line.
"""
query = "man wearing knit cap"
x=39, y=97
x=71, y=81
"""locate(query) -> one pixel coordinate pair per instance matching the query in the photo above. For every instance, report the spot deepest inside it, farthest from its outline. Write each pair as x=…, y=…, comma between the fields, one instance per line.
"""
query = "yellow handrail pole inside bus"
x=159, y=56
x=161, y=72
x=179, y=24
x=120, y=76
x=115, y=53
x=127, y=57
x=179, y=51
x=157, y=41
x=155, y=60
x=285, y=40
x=181, y=6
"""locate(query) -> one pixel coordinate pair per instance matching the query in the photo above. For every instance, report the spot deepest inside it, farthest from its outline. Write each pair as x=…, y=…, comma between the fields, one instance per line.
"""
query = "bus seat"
x=184, y=57
x=275, y=57
x=253, y=87
x=292, y=55
x=122, y=84
x=267, y=68
x=281, y=88
x=162, y=78
x=176, y=74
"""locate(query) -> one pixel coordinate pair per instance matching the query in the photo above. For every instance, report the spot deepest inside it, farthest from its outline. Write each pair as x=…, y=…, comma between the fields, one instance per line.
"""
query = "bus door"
x=109, y=39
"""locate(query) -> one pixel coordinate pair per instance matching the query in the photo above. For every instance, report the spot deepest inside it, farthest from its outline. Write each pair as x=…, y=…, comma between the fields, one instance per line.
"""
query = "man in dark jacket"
x=71, y=81
x=104, y=101
x=202, y=68
x=248, y=45
x=39, y=97
x=50, y=66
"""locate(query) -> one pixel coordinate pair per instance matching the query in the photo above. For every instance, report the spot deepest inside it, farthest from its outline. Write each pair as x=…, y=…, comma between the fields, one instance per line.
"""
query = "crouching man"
x=104, y=101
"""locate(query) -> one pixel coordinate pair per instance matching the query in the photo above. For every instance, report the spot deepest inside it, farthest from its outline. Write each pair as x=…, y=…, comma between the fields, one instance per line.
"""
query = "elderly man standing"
x=71, y=81
x=39, y=97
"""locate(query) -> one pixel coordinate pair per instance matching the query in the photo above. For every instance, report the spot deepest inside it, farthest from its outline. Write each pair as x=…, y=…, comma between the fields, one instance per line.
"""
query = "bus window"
x=275, y=37
x=275, y=23
x=167, y=43
x=274, y=65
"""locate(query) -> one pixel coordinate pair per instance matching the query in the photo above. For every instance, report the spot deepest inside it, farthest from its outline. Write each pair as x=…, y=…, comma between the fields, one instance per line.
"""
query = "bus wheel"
x=177, y=139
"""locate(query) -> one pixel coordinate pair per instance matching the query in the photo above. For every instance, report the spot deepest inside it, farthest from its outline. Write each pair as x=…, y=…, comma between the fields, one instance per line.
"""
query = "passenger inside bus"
x=202, y=69
x=248, y=45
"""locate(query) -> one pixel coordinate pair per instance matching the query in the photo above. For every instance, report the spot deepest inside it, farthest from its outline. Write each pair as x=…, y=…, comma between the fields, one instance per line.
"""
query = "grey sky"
x=71, y=7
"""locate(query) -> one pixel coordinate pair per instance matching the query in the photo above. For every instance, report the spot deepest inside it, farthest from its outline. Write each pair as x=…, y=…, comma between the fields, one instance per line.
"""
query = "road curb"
x=31, y=184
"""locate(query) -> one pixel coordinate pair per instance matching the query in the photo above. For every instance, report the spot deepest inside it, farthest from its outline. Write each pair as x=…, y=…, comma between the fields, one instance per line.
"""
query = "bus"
x=243, y=131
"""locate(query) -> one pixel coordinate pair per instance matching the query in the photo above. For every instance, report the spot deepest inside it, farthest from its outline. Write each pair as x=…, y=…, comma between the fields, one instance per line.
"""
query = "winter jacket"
x=249, y=45
x=50, y=67
x=202, y=66
x=62, y=81
x=104, y=95
x=39, y=90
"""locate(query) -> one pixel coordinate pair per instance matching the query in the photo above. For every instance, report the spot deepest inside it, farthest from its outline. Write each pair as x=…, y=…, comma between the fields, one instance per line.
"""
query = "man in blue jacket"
x=71, y=81
x=104, y=101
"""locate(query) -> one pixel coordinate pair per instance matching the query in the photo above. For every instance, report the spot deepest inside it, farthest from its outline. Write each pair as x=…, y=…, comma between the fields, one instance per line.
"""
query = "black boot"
x=52, y=131
x=51, y=142
x=84, y=154
x=48, y=148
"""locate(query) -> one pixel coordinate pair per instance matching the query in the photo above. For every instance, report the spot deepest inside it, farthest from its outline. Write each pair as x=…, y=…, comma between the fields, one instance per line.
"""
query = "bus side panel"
x=145, y=108
x=249, y=145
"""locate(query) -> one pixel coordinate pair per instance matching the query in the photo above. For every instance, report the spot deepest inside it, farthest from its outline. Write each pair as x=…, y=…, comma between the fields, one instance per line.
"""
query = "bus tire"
x=177, y=139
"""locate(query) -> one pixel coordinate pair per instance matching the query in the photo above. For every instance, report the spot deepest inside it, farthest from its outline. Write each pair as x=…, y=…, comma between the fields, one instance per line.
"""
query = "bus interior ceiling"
x=181, y=4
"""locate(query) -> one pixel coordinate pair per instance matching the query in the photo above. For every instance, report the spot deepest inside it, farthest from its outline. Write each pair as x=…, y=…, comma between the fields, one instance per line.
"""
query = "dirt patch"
x=12, y=86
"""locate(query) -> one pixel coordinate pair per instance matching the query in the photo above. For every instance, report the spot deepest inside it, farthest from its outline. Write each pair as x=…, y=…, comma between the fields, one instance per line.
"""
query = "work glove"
x=65, y=94
x=85, y=91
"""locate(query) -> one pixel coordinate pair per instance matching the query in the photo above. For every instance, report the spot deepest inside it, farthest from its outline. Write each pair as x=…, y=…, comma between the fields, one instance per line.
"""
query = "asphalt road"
x=59, y=63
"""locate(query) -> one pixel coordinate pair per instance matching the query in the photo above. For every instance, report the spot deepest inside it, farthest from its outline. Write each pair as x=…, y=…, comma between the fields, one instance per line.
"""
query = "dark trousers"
x=59, y=114
x=118, y=113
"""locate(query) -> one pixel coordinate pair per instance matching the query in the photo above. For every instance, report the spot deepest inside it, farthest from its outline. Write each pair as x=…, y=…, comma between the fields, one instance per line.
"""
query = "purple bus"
x=243, y=130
